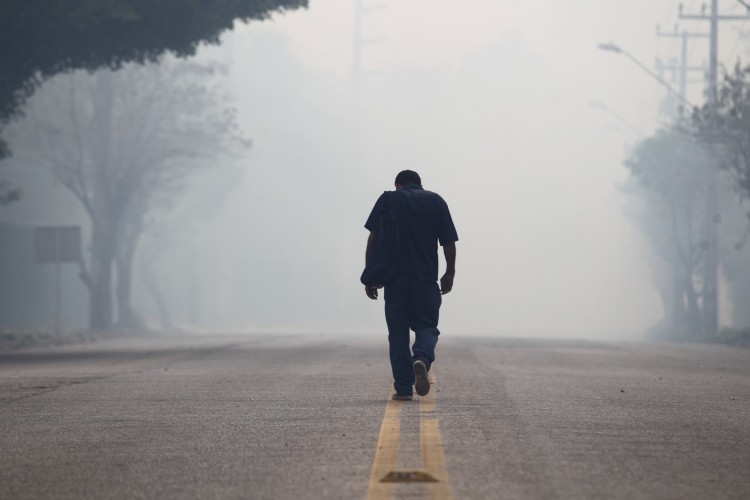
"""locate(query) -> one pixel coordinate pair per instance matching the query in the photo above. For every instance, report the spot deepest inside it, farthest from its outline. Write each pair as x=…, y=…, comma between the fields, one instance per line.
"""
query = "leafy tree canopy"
x=669, y=164
x=727, y=127
x=41, y=38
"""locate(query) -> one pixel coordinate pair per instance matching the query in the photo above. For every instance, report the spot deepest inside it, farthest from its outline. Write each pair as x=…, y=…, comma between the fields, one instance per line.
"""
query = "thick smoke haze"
x=491, y=102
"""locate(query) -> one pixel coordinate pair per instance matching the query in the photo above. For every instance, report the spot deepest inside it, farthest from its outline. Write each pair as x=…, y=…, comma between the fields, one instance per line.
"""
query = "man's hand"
x=372, y=291
x=446, y=283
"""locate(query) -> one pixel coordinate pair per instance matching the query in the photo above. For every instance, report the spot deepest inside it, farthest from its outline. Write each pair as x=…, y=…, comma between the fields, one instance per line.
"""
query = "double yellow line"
x=433, y=474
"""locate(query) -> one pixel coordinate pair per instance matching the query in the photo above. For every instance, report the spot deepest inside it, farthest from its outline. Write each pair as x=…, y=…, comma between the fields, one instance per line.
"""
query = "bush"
x=734, y=336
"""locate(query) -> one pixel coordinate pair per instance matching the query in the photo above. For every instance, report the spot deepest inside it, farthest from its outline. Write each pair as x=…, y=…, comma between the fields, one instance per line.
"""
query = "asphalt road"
x=307, y=417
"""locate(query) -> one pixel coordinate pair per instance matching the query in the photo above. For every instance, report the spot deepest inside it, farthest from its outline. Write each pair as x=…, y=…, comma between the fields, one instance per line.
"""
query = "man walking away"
x=412, y=297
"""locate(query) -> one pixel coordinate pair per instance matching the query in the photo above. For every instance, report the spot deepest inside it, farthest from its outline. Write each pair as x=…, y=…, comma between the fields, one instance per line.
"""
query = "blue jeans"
x=411, y=304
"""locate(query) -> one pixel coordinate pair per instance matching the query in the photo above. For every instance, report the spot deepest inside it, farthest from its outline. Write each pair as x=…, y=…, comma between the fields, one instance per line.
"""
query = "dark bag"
x=381, y=267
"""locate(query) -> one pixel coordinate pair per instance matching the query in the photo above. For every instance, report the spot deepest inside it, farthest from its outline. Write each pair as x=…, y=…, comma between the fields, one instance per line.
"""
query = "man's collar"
x=412, y=186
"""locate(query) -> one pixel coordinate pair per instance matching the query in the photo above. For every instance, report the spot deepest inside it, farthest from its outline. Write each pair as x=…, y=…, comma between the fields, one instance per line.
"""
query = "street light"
x=611, y=47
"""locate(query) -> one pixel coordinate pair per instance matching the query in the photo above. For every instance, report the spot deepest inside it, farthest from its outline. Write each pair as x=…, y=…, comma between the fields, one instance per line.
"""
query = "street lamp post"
x=611, y=47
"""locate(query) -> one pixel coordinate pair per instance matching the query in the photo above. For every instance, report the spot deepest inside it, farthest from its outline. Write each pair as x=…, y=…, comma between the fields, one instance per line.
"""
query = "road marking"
x=408, y=476
x=427, y=403
x=433, y=474
x=431, y=447
x=386, y=453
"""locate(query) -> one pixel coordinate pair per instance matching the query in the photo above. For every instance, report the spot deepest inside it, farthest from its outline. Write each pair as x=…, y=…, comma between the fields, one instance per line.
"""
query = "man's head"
x=406, y=177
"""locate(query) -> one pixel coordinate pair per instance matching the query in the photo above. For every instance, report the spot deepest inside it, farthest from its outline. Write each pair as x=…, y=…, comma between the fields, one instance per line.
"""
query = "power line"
x=682, y=68
x=736, y=46
x=360, y=42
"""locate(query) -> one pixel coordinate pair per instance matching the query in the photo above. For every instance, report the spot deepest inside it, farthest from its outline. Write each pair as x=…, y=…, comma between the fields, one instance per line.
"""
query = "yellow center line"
x=386, y=453
x=431, y=446
x=427, y=403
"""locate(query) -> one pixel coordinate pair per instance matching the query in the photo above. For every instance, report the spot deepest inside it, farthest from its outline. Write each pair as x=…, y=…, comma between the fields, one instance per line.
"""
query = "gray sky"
x=491, y=102
x=428, y=33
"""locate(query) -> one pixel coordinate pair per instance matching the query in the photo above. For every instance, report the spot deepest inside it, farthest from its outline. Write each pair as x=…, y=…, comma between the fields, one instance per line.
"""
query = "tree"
x=45, y=37
x=727, y=127
x=669, y=171
x=176, y=229
x=736, y=263
x=122, y=142
x=668, y=176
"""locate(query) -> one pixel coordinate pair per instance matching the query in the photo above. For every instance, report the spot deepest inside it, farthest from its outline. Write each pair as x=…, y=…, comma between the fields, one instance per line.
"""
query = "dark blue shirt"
x=424, y=220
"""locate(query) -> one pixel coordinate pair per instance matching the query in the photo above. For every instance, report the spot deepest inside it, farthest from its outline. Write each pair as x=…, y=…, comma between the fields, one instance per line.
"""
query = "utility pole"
x=680, y=71
x=710, y=243
x=359, y=41
x=679, y=75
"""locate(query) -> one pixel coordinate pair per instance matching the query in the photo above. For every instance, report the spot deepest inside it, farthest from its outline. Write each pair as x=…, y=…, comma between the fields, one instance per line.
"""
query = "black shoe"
x=422, y=383
x=402, y=397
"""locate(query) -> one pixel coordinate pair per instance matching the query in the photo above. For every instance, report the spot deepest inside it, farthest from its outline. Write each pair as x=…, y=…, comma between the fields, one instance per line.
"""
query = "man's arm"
x=370, y=291
x=370, y=239
x=446, y=282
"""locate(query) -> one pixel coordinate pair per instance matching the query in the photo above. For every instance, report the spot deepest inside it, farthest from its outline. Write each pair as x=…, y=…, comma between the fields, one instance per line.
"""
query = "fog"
x=489, y=101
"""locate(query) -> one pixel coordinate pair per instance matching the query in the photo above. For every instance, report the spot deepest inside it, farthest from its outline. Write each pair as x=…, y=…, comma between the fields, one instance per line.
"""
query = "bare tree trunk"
x=195, y=316
x=740, y=295
x=694, y=313
x=100, y=298
x=131, y=228
x=104, y=220
x=678, y=314
x=146, y=273
x=124, y=262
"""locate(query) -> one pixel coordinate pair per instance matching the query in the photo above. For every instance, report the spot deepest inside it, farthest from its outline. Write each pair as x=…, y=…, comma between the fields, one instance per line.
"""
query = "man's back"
x=424, y=220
